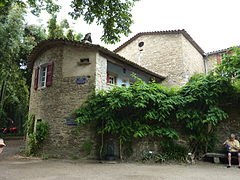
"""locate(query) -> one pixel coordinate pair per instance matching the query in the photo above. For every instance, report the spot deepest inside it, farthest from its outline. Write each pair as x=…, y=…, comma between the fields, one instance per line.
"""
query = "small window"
x=141, y=44
x=42, y=76
x=112, y=79
x=85, y=60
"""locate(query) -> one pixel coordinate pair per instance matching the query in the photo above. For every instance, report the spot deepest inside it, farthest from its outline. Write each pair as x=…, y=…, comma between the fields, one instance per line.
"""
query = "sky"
x=213, y=24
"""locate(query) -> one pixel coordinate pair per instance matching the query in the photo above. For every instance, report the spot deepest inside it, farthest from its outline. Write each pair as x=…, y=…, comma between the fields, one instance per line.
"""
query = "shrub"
x=36, y=139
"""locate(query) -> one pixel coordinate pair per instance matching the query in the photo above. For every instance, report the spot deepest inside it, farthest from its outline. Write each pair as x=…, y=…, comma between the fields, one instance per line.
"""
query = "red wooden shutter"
x=36, y=78
x=107, y=77
x=49, y=74
x=218, y=59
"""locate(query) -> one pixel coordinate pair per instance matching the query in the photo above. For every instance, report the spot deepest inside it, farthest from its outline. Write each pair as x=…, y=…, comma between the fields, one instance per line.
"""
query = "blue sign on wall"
x=71, y=122
x=82, y=80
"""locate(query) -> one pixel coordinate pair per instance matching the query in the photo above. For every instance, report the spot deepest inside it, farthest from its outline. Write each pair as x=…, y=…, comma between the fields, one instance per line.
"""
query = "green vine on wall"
x=35, y=139
x=149, y=110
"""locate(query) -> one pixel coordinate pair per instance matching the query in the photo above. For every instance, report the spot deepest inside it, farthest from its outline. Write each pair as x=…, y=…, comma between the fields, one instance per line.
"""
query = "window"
x=111, y=78
x=141, y=44
x=42, y=76
x=84, y=61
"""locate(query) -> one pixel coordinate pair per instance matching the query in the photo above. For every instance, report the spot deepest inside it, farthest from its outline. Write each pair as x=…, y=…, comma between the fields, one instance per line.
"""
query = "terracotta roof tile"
x=221, y=51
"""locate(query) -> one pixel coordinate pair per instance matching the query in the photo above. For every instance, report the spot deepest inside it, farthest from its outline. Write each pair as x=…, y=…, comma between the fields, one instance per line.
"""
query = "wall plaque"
x=71, y=122
x=82, y=80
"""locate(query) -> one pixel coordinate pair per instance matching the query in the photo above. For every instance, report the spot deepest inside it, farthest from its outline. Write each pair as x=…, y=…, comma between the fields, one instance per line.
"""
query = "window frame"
x=40, y=76
x=110, y=74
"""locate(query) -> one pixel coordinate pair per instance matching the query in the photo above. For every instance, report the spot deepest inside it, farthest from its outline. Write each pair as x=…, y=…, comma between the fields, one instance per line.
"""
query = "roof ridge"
x=177, y=31
x=221, y=50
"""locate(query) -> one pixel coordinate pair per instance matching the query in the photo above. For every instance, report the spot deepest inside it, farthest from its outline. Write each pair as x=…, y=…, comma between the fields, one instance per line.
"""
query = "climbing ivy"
x=137, y=111
x=200, y=112
x=36, y=138
x=151, y=110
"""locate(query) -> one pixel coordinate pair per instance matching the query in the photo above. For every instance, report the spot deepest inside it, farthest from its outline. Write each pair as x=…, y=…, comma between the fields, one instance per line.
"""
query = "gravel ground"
x=14, y=167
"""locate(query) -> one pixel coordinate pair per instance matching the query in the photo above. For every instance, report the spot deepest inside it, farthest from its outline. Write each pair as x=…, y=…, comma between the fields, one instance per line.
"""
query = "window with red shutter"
x=111, y=78
x=49, y=74
x=36, y=78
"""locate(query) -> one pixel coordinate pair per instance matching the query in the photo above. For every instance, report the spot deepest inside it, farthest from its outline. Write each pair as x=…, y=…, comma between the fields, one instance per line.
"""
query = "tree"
x=200, y=112
x=113, y=15
x=230, y=64
x=62, y=30
x=31, y=36
x=13, y=88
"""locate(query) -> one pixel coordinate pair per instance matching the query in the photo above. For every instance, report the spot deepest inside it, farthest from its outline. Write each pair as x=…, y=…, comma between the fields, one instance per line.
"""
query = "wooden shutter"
x=49, y=74
x=36, y=78
x=107, y=77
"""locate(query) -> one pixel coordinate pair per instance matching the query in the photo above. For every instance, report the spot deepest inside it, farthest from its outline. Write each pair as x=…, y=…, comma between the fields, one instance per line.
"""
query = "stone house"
x=173, y=54
x=215, y=57
x=64, y=74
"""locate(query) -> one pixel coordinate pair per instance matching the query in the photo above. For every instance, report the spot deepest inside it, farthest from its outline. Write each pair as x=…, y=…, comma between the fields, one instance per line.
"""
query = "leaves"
x=230, y=64
x=13, y=88
x=57, y=31
x=137, y=111
x=150, y=110
x=113, y=15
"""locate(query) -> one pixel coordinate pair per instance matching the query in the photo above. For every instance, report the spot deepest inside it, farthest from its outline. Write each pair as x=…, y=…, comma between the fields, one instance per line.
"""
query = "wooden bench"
x=216, y=156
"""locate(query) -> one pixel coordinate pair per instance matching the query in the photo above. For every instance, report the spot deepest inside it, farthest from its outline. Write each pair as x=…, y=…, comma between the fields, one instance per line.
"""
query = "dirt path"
x=17, y=168
x=14, y=146
x=23, y=169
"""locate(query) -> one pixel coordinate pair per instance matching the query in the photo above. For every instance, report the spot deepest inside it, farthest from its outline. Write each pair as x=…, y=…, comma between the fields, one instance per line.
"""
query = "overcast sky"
x=213, y=24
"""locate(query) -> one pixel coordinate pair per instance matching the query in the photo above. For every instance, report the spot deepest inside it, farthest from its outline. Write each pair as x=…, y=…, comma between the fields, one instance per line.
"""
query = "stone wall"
x=58, y=102
x=161, y=54
x=101, y=73
x=170, y=55
x=211, y=62
x=71, y=58
x=192, y=60
x=229, y=126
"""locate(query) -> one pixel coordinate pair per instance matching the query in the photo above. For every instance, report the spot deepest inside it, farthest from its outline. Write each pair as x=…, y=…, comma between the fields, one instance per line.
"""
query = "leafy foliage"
x=37, y=138
x=200, y=111
x=150, y=110
x=138, y=111
x=56, y=31
x=174, y=152
x=141, y=110
x=87, y=146
x=113, y=15
x=230, y=64
x=13, y=88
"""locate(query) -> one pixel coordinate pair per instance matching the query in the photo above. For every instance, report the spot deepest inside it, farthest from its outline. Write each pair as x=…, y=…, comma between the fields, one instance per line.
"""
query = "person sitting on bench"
x=233, y=148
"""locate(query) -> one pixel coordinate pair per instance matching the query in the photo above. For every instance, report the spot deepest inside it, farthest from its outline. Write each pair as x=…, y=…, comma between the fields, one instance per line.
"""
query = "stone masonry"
x=168, y=54
x=58, y=102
